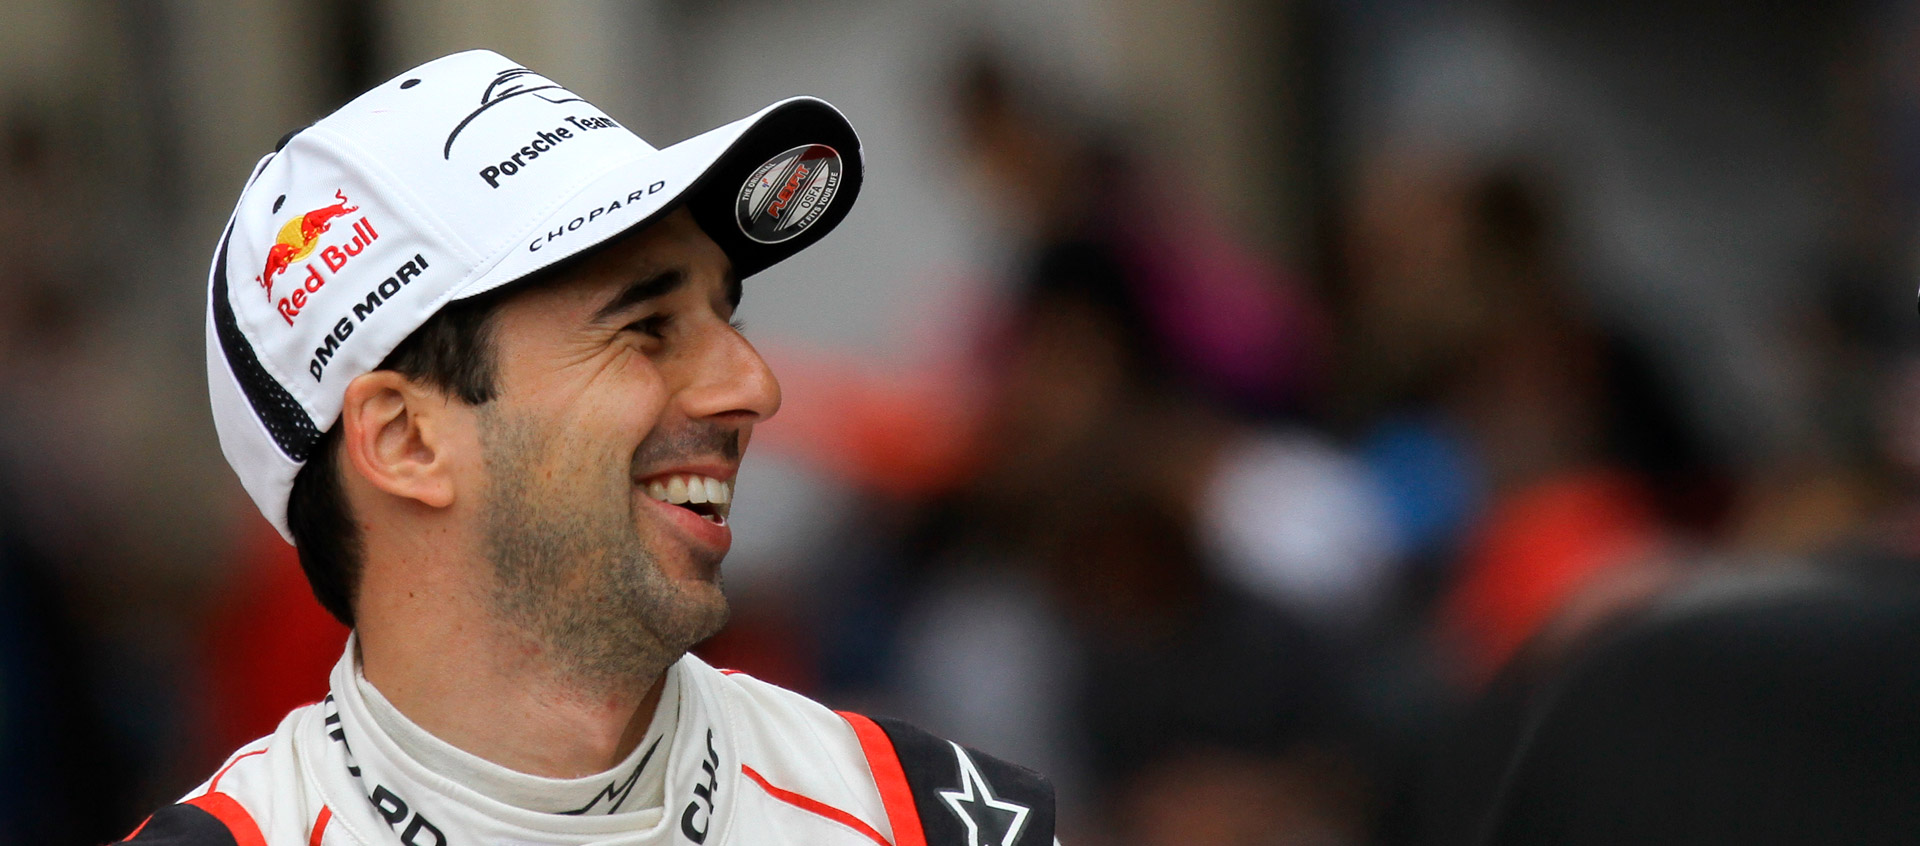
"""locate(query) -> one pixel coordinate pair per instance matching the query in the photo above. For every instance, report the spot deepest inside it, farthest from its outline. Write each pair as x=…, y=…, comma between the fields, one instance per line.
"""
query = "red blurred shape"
x=269, y=647
x=1534, y=552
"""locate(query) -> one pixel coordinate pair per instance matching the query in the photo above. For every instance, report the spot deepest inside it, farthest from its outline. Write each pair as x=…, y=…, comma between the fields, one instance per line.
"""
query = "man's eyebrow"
x=657, y=284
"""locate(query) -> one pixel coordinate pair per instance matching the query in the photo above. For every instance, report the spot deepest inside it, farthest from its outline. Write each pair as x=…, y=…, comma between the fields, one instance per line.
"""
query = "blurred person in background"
x=76, y=725
x=1149, y=572
x=1468, y=348
x=1570, y=486
x=1776, y=702
x=1691, y=656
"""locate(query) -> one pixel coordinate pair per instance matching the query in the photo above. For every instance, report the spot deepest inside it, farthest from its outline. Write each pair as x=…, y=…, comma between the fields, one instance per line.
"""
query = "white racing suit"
x=747, y=764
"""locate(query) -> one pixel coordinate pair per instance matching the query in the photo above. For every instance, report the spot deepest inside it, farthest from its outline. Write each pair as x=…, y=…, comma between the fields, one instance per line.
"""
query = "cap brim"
x=706, y=172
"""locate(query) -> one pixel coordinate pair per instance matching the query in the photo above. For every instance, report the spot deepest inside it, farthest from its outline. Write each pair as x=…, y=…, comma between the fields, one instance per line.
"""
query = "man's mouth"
x=705, y=496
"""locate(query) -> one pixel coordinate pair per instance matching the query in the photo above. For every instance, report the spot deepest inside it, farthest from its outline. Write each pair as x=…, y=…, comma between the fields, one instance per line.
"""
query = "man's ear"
x=395, y=434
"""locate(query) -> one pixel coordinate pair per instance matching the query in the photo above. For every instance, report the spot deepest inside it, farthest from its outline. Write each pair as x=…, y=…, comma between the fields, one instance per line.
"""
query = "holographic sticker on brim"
x=787, y=194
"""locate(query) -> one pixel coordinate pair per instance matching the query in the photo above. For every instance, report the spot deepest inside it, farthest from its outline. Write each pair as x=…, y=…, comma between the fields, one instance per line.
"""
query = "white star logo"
x=976, y=806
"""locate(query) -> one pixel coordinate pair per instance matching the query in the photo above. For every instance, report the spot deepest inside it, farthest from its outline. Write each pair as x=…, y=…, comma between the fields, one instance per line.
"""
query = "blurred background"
x=1236, y=409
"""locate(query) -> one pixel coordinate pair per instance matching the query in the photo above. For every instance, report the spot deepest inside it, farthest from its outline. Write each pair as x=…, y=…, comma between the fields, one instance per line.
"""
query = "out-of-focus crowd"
x=1236, y=552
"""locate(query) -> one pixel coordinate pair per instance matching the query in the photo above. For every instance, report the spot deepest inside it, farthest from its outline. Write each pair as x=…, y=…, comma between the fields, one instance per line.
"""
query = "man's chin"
x=700, y=612
x=694, y=568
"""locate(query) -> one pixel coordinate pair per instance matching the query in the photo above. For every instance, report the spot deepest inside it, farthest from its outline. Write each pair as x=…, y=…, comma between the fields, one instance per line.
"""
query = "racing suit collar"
x=637, y=783
x=376, y=787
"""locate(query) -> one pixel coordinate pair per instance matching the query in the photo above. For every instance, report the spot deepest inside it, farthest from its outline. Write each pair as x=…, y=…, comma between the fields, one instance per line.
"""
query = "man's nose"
x=730, y=381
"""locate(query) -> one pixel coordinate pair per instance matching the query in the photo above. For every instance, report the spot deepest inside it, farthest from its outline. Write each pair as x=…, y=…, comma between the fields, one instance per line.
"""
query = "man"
x=470, y=350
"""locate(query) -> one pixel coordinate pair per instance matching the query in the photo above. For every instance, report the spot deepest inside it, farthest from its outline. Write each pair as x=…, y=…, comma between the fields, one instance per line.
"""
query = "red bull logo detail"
x=299, y=240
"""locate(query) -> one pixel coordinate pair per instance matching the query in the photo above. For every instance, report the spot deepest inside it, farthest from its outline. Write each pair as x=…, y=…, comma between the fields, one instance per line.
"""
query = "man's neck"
x=501, y=700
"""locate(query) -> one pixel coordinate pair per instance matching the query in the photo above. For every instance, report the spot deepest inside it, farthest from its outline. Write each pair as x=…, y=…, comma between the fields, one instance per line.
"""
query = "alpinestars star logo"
x=989, y=821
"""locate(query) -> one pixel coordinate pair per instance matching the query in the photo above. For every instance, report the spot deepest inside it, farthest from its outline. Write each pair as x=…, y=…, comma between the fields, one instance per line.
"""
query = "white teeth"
x=683, y=489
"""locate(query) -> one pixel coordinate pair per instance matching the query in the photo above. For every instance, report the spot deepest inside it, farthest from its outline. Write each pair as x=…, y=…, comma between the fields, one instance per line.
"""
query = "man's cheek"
x=648, y=398
x=627, y=410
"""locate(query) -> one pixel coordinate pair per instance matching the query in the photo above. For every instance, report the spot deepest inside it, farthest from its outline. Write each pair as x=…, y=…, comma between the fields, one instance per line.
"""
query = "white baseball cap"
x=448, y=181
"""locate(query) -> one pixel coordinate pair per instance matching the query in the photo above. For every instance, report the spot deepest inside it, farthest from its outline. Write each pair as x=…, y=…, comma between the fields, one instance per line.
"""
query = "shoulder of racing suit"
x=802, y=774
x=227, y=808
x=931, y=791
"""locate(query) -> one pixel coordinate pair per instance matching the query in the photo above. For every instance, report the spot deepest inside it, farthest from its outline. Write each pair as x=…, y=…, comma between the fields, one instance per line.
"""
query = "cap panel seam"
x=253, y=414
x=267, y=363
x=376, y=170
x=258, y=432
x=250, y=330
x=251, y=352
x=416, y=214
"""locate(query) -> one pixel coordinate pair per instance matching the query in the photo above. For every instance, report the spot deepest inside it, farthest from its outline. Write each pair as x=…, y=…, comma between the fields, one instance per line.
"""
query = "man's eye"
x=651, y=326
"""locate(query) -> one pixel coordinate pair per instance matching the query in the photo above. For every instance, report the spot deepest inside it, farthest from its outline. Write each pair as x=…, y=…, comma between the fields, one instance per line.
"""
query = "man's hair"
x=451, y=352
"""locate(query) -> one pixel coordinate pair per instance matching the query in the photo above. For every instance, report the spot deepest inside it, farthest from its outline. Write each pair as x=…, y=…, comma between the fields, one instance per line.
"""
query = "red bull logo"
x=298, y=237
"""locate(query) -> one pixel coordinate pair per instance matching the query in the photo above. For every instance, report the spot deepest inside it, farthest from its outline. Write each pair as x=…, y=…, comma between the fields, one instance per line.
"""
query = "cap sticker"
x=787, y=194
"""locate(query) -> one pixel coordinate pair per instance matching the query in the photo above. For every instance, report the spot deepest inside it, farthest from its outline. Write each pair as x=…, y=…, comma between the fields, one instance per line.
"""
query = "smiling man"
x=471, y=348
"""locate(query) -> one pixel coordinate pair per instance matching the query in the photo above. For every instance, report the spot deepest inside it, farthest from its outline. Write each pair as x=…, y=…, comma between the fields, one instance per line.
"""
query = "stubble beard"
x=573, y=574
